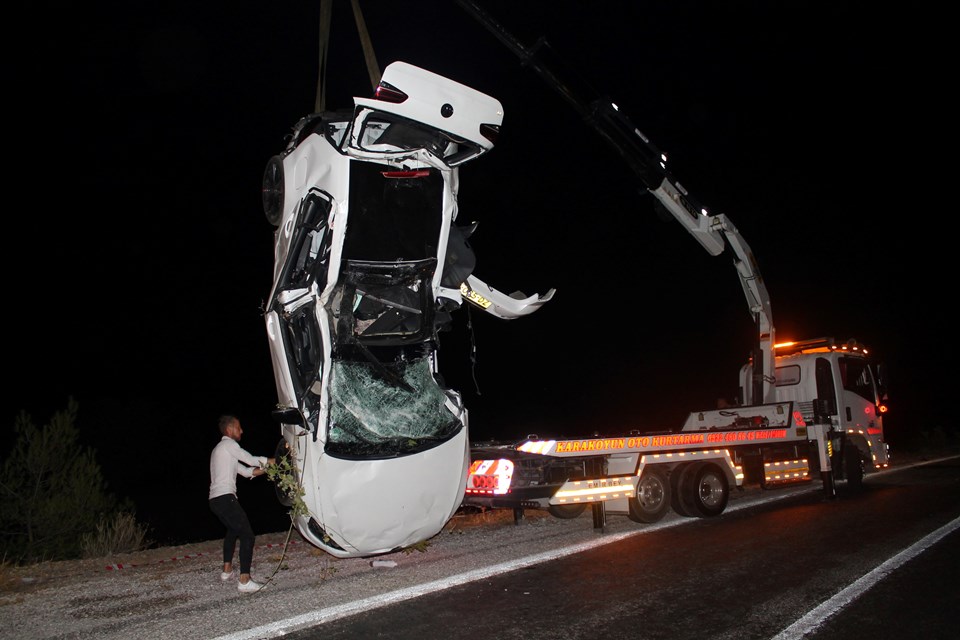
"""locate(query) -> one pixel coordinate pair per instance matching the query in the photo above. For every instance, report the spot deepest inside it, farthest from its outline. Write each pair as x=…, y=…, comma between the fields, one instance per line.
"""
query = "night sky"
x=139, y=258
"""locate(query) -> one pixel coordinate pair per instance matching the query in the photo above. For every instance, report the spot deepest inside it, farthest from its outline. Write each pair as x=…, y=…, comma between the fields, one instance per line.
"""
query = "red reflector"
x=389, y=93
x=418, y=173
x=873, y=431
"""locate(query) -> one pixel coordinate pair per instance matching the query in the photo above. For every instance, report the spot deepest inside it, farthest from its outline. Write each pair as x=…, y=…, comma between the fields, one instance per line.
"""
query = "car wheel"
x=273, y=190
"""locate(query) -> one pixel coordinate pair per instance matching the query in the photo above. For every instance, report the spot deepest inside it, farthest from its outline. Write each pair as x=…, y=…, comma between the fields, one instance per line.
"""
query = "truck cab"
x=835, y=383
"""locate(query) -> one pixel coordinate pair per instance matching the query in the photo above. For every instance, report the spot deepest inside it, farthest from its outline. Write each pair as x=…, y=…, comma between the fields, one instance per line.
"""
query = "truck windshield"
x=857, y=378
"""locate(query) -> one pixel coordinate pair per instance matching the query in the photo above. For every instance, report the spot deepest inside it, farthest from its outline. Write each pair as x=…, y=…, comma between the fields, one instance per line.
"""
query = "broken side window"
x=310, y=244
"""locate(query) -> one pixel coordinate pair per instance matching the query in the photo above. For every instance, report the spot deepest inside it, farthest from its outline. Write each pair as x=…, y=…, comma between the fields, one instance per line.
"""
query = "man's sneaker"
x=249, y=587
x=226, y=576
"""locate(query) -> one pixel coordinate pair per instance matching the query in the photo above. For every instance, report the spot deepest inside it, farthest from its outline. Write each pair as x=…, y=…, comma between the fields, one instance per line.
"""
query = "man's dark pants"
x=227, y=508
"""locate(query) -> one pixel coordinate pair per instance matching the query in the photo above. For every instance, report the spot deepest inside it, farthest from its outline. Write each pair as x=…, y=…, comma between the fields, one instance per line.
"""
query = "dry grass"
x=119, y=533
x=469, y=518
x=6, y=575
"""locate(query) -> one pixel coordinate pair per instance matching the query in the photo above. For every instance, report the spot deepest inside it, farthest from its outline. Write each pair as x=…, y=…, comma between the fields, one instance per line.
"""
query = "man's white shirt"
x=228, y=460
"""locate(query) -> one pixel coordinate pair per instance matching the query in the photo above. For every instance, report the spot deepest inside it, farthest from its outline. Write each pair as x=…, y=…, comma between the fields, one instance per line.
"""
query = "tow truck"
x=806, y=409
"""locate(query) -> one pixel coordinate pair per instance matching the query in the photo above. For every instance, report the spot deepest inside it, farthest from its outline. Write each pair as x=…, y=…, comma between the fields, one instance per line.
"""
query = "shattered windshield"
x=379, y=411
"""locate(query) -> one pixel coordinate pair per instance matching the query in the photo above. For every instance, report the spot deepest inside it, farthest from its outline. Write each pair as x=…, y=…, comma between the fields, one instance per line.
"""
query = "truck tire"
x=711, y=490
x=681, y=490
x=567, y=511
x=853, y=467
x=653, y=497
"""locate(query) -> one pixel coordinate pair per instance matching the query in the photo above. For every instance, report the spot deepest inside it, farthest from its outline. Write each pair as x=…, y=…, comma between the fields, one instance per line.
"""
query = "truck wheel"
x=681, y=491
x=711, y=491
x=653, y=497
x=567, y=511
x=853, y=468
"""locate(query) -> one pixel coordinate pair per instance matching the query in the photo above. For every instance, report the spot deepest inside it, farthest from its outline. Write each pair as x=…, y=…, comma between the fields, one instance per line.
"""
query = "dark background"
x=139, y=259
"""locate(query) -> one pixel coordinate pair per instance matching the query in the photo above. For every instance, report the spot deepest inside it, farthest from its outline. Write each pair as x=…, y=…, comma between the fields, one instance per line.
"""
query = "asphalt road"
x=782, y=564
x=783, y=569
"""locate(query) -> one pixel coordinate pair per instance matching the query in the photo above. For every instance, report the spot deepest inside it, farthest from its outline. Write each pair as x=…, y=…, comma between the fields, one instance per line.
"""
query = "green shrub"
x=937, y=440
x=52, y=491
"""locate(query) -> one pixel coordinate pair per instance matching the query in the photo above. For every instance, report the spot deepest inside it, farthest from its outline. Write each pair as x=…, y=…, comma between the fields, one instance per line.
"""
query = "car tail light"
x=389, y=93
x=417, y=173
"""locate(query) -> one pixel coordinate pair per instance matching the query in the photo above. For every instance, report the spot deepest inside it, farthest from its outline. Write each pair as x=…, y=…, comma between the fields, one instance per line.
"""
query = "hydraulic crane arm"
x=714, y=232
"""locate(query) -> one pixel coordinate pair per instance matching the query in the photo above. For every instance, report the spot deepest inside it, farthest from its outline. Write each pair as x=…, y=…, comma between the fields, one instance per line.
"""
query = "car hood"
x=377, y=506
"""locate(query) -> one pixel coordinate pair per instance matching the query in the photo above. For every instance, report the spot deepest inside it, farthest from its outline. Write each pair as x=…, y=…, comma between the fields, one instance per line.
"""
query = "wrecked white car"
x=369, y=264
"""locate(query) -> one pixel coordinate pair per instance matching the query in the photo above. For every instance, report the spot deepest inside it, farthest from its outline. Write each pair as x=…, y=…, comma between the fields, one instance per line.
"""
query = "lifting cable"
x=326, y=10
x=473, y=350
x=373, y=69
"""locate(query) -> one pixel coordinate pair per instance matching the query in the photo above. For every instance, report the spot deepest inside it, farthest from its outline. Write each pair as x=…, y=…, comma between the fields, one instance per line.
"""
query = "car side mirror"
x=289, y=415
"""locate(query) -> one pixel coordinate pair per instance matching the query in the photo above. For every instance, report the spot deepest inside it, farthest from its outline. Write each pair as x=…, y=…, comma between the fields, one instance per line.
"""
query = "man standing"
x=227, y=461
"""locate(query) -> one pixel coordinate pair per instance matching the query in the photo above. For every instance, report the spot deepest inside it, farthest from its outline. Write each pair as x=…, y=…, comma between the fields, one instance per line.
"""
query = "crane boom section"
x=715, y=233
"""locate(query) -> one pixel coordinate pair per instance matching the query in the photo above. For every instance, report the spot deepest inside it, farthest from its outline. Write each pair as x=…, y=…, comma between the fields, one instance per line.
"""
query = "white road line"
x=280, y=627
x=813, y=619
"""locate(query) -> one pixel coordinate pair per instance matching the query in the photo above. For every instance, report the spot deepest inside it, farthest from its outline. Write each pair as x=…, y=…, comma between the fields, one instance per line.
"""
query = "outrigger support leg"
x=599, y=516
x=517, y=515
x=829, y=489
x=822, y=435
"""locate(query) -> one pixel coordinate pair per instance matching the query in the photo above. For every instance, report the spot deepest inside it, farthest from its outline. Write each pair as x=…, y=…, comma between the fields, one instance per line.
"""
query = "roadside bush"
x=936, y=441
x=52, y=491
x=118, y=533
